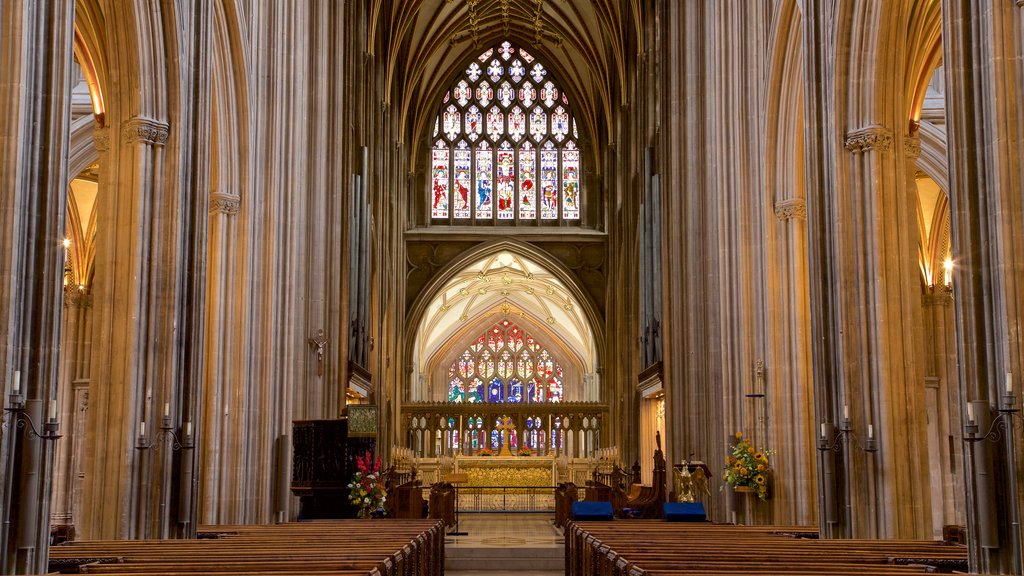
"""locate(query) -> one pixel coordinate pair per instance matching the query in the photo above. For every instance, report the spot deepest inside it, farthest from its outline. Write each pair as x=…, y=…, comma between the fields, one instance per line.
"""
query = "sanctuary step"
x=498, y=543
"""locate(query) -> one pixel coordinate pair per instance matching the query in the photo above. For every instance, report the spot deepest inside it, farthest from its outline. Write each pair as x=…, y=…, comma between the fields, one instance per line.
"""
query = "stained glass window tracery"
x=505, y=141
x=515, y=368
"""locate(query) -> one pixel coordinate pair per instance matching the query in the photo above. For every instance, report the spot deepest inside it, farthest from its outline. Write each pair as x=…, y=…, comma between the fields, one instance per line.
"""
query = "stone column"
x=982, y=45
x=36, y=46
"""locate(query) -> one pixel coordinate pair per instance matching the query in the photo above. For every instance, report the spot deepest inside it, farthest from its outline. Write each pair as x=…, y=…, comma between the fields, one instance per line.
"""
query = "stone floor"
x=505, y=545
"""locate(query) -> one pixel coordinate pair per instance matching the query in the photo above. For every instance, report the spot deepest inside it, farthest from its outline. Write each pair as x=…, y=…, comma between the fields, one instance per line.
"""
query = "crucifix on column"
x=319, y=343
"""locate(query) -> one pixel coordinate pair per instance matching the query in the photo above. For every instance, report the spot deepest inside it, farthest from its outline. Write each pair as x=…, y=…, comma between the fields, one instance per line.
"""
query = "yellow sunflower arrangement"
x=747, y=466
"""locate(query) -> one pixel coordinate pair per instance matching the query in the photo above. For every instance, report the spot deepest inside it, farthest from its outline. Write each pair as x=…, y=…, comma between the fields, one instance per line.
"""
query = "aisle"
x=515, y=544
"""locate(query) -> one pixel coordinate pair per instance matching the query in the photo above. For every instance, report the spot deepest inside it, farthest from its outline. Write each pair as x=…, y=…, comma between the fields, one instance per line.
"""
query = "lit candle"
x=846, y=412
x=1009, y=384
x=142, y=428
x=53, y=410
x=823, y=430
x=167, y=409
x=188, y=428
x=871, y=431
x=970, y=412
x=17, y=382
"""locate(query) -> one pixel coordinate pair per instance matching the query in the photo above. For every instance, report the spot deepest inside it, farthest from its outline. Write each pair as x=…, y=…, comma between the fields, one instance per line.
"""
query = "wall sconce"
x=21, y=419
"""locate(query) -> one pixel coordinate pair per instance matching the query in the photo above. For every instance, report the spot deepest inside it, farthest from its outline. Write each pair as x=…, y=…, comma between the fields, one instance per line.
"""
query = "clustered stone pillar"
x=35, y=40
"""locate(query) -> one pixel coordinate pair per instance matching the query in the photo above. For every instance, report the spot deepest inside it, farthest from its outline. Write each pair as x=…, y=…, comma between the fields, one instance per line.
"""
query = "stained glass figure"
x=559, y=123
x=570, y=183
x=506, y=94
x=476, y=391
x=462, y=92
x=496, y=392
x=527, y=94
x=549, y=94
x=555, y=390
x=506, y=365
x=484, y=94
x=536, y=391
x=456, y=392
x=485, y=365
x=538, y=124
x=524, y=365
x=474, y=123
x=484, y=161
x=549, y=182
x=495, y=440
x=495, y=124
x=466, y=365
x=506, y=191
x=439, y=176
x=517, y=125
x=463, y=184
x=515, y=391
x=527, y=182
x=452, y=122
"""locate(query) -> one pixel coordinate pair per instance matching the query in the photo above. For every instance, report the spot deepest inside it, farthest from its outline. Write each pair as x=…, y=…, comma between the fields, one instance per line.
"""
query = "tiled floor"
x=505, y=545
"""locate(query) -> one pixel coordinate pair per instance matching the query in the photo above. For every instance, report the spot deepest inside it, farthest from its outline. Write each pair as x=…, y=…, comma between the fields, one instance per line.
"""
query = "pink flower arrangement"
x=366, y=490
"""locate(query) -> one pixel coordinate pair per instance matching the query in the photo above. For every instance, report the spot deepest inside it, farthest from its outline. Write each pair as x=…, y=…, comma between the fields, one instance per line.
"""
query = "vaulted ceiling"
x=588, y=45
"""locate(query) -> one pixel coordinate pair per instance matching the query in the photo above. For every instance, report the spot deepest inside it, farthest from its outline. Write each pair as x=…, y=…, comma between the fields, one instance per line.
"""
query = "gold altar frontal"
x=507, y=470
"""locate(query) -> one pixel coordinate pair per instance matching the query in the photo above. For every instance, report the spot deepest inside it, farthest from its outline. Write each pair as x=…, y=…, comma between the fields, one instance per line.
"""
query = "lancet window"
x=505, y=145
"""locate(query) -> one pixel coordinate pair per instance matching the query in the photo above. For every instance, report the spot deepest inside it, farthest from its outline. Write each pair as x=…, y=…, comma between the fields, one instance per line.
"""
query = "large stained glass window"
x=505, y=365
x=505, y=145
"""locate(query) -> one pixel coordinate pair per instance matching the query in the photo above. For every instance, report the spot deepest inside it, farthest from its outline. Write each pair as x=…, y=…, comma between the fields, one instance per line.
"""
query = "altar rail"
x=506, y=499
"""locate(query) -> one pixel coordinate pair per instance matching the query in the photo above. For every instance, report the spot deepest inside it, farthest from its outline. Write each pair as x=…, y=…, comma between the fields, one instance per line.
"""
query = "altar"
x=507, y=470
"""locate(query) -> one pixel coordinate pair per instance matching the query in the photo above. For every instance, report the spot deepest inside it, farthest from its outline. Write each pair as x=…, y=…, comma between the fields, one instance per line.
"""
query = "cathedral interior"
x=575, y=230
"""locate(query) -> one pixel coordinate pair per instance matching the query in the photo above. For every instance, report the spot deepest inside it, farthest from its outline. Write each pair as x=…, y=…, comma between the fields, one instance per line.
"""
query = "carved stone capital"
x=869, y=138
x=145, y=130
x=101, y=138
x=912, y=146
x=791, y=208
x=224, y=204
x=74, y=297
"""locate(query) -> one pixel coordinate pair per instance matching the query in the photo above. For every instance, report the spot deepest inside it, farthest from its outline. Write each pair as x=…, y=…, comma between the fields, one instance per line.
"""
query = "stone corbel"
x=869, y=138
x=101, y=139
x=791, y=208
x=224, y=204
x=912, y=146
x=145, y=130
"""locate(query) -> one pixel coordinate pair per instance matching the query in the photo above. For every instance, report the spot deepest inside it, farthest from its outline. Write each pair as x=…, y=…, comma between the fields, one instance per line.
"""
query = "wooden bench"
x=652, y=548
x=383, y=547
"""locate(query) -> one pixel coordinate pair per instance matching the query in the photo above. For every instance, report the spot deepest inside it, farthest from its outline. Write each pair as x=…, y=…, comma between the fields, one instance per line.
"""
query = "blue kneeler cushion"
x=586, y=511
x=685, y=512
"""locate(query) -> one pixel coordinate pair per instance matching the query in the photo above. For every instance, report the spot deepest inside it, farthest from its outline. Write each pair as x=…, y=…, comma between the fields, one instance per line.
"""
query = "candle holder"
x=166, y=435
x=845, y=435
x=20, y=418
x=999, y=426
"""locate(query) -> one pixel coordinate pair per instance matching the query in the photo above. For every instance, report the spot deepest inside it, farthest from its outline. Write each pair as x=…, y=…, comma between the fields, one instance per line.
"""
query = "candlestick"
x=1009, y=383
x=17, y=382
x=871, y=431
x=142, y=428
x=824, y=430
x=970, y=412
x=52, y=415
x=188, y=428
x=167, y=409
x=846, y=412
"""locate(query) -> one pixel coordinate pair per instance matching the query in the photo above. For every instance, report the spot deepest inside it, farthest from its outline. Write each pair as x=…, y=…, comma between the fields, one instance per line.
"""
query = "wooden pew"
x=651, y=548
x=344, y=547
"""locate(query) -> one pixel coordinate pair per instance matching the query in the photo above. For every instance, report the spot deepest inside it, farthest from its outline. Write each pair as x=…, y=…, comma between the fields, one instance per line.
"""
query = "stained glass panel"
x=538, y=72
x=516, y=123
x=506, y=182
x=495, y=70
x=524, y=366
x=485, y=366
x=439, y=177
x=515, y=391
x=559, y=123
x=506, y=94
x=496, y=392
x=476, y=391
x=506, y=366
x=462, y=92
x=474, y=123
x=452, y=122
x=462, y=181
x=456, y=392
x=528, y=94
x=527, y=182
x=549, y=183
x=570, y=183
x=484, y=188
x=517, y=71
x=484, y=94
x=549, y=94
x=495, y=124
x=538, y=123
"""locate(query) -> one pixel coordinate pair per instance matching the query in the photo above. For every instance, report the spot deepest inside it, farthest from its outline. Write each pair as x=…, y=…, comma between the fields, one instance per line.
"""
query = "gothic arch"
x=419, y=308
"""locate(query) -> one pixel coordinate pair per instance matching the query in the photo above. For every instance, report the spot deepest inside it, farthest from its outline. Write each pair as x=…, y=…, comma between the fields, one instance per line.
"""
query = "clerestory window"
x=505, y=146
